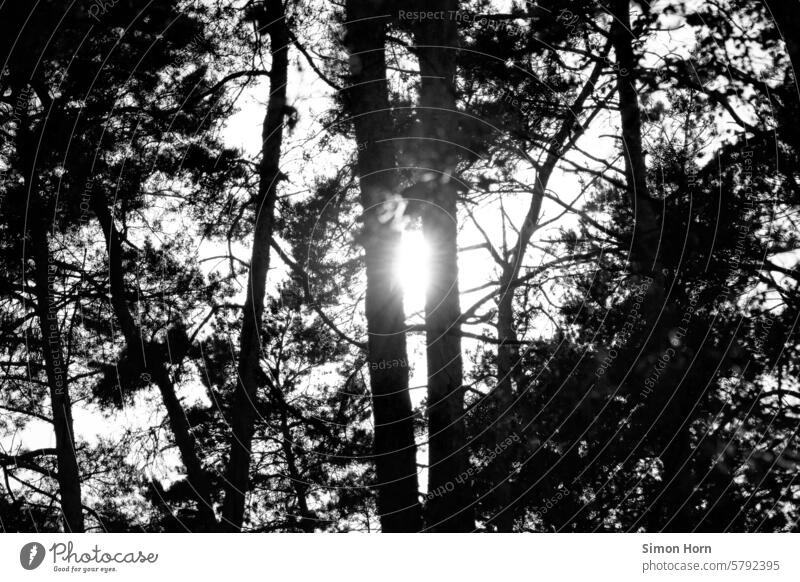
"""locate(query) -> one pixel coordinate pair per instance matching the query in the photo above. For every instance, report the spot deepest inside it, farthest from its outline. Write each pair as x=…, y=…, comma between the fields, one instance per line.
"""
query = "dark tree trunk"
x=509, y=373
x=646, y=230
x=508, y=386
x=437, y=47
x=69, y=482
x=150, y=359
x=395, y=447
x=647, y=263
x=306, y=520
x=508, y=355
x=243, y=408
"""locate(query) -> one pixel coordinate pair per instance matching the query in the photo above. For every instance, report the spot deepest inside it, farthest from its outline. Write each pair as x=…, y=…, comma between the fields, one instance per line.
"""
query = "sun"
x=413, y=262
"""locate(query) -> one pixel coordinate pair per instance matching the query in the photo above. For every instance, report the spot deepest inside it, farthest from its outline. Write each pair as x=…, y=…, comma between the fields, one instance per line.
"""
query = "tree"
x=271, y=17
x=367, y=98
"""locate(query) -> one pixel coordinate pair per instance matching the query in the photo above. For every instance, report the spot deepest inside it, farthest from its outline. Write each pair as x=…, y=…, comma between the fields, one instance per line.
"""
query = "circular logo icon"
x=31, y=555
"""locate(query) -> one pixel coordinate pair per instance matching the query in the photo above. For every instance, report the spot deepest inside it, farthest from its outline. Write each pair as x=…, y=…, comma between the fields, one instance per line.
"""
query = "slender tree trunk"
x=644, y=251
x=395, y=448
x=508, y=356
x=646, y=262
x=437, y=47
x=508, y=373
x=69, y=482
x=243, y=407
x=644, y=248
x=149, y=358
x=306, y=520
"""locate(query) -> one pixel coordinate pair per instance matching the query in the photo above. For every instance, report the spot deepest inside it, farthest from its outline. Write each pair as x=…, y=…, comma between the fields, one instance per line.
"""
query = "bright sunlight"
x=412, y=270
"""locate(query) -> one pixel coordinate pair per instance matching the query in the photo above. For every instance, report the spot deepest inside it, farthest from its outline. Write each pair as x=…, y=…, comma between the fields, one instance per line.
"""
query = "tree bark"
x=646, y=262
x=69, y=482
x=243, y=407
x=394, y=447
x=437, y=46
x=644, y=248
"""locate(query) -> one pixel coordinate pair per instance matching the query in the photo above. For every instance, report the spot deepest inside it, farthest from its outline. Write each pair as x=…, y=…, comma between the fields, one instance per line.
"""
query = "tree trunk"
x=437, y=42
x=306, y=520
x=395, y=448
x=509, y=374
x=647, y=263
x=149, y=358
x=644, y=248
x=69, y=482
x=243, y=408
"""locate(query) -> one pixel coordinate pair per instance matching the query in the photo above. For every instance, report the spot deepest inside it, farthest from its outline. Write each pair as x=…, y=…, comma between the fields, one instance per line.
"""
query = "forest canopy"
x=379, y=266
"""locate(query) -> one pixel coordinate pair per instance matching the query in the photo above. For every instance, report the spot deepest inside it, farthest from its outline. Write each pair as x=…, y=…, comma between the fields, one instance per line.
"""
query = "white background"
x=424, y=557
